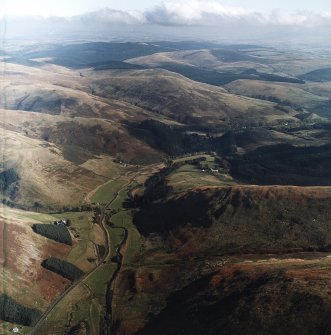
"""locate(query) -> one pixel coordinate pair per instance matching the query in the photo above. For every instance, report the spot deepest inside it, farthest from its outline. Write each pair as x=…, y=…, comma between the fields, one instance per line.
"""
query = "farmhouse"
x=61, y=223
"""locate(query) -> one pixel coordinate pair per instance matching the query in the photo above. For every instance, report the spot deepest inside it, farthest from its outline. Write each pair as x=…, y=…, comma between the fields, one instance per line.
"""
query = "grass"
x=104, y=194
x=188, y=176
x=116, y=237
x=79, y=220
x=118, y=202
x=76, y=301
x=187, y=158
x=100, y=279
x=123, y=218
x=5, y=326
x=104, y=165
x=132, y=248
x=17, y=214
x=80, y=254
x=81, y=223
x=95, y=309
x=298, y=96
x=207, y=164
x=87, y=301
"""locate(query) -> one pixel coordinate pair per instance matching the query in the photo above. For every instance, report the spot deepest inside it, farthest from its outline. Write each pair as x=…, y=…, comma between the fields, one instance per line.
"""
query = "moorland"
x=165, y=187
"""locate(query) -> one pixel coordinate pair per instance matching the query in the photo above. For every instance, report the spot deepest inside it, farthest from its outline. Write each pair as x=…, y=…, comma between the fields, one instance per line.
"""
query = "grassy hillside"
x=186, y=101
x=54, y=125
x=223, y=78
x=36, y=162
x=284, y=94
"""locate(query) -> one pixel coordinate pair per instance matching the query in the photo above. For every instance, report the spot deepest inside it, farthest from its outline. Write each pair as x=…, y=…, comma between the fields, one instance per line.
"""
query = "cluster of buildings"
x=61, y=223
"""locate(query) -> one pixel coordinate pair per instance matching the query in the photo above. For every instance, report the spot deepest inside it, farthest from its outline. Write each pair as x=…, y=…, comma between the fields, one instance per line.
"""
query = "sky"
x=180, y=19
x=75, y=7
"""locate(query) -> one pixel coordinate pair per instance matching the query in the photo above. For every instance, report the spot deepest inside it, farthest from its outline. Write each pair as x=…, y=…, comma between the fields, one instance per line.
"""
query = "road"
x=101, y=221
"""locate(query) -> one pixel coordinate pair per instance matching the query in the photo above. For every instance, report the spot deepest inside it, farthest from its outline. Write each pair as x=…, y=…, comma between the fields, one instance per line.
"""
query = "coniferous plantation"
x=57, y=233
x=63, y=268
x=12, y=311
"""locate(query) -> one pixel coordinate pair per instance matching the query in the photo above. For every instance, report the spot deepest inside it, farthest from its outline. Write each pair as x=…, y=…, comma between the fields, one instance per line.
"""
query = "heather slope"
x=241, y=219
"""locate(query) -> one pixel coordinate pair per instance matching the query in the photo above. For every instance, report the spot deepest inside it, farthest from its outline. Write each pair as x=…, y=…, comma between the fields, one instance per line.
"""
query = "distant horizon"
x=63, y=8
x=175, y=20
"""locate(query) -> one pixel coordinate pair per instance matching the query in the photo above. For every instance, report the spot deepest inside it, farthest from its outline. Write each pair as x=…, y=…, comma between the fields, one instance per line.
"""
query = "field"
x=188, y=177
x=84, y=253
x=107, y=191
x=87, y=300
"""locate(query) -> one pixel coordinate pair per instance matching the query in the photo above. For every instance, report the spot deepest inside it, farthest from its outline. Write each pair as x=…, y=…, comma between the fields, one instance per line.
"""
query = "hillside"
x=319, y=75
x=223, y=257
x=284, y=165
x=22, y=251
x=250, y=299
x=52, y=124
x=284, y=94
x=183, y=100
x=240, y=219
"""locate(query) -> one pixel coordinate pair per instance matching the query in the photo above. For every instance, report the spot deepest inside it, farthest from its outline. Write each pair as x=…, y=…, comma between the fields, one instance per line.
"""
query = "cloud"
x=192, y=12
x=111, y=16
x=181, y=19
x=299, y=18
x=199, y=13
x=213, y=13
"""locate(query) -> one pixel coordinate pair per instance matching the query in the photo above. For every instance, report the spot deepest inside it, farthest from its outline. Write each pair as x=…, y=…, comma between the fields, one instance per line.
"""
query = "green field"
x=80, y=221
x=81, y=224
x=87, y=300
x=106, y=192
x=188, y=176
x=209, y=158
x=132, y=248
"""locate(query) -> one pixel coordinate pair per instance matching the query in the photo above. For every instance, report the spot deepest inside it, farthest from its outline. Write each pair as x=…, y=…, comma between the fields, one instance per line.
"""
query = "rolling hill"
x=183, y=100
x=188, y=154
